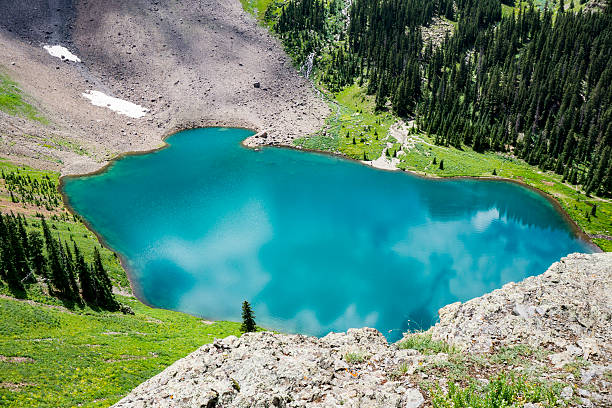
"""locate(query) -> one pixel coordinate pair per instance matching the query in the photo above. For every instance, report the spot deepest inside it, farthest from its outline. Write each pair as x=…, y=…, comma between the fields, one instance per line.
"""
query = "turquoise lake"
x=315, y=243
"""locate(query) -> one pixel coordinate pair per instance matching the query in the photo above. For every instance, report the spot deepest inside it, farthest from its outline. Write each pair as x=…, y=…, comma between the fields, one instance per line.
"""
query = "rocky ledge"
x=554, y=329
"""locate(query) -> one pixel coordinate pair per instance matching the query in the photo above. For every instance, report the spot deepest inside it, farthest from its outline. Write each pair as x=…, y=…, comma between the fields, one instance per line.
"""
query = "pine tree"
x=70, y=271
x=380, y=96
x=19, y=258
x=23, y=235
x=104, y=296
x=58, y=277
x=574, y=177
x=248, y=318
x=87, y=279
x=9, y=269
x=35, y=254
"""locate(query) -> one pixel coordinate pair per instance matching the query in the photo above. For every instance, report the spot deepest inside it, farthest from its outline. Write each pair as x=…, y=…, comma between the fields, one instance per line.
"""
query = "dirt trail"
x=191, y=63
x=402, y=133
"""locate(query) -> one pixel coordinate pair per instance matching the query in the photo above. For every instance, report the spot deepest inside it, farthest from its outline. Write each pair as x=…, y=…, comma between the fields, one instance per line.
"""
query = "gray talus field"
x=190, y=63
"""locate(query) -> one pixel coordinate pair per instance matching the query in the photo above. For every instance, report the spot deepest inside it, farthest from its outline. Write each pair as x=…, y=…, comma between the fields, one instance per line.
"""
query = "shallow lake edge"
x=557, y=206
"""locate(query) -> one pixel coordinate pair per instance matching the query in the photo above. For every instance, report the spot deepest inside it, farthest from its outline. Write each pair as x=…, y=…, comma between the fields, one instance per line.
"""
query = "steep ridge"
x=554, y=327
x=190, y=63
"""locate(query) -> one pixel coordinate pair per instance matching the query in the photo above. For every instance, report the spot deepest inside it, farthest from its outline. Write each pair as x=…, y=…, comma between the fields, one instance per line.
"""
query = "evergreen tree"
x=70, y=272
x=380, y=96
x=58, y=277
x=87, y=278
x=10, y=270
x=104, y=296
x=248, y=318
x=35, y=254
x=20, y=258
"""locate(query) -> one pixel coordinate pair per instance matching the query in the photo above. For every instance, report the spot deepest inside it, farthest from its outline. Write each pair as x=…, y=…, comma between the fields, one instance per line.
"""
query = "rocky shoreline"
x=555, y=328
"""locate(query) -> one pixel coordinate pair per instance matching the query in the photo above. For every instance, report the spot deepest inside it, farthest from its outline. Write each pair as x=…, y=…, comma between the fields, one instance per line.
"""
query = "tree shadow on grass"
x=18, y=291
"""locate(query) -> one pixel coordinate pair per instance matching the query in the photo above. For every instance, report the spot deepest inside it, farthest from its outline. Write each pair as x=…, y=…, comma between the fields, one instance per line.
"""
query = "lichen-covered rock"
x=567, y=309
x=267, y=370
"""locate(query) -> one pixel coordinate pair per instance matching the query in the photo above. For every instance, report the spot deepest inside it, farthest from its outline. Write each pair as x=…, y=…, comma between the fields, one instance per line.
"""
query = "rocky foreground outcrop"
x=567, y=308
x=562, y=321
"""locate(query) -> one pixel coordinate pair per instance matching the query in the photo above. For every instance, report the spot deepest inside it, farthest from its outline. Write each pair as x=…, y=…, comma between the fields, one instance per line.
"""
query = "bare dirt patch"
x=16, y=360
x=126, y=357
x=15, y=387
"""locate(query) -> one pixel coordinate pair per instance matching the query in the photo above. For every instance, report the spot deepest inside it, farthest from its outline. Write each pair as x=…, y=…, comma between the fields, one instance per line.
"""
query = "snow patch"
x=61, y=52
x=120, y=106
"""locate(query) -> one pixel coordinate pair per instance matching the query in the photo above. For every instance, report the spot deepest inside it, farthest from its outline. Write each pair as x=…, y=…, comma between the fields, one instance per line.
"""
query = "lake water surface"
x=314, y=242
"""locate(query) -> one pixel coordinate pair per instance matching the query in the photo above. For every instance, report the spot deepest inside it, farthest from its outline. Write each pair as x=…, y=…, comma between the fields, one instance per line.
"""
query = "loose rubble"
x=190, y=64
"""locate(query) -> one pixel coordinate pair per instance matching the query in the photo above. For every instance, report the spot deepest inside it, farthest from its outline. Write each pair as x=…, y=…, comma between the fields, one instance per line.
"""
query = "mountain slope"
x=190, y=63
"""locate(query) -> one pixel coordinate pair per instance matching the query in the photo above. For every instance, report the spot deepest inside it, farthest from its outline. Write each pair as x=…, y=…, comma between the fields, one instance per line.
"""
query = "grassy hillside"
x=54, y=357
x=353, y=118
x=56, y=354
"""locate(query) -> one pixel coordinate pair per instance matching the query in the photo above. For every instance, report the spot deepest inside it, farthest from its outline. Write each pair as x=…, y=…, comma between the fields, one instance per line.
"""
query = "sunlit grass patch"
x=424, y=344
x=355, y=357
x=354, y=129
x=502, y=391
x=13, y=102
x=91, y=358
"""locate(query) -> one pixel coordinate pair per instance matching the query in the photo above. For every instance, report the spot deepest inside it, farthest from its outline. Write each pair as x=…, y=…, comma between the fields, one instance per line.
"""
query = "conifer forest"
x=534, y=82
